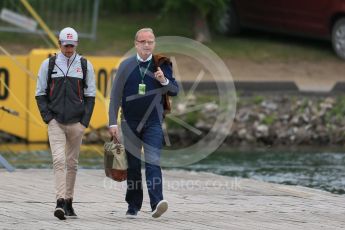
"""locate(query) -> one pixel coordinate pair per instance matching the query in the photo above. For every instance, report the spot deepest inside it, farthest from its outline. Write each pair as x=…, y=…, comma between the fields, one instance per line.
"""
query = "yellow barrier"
x=17, y=80
x=28, y=124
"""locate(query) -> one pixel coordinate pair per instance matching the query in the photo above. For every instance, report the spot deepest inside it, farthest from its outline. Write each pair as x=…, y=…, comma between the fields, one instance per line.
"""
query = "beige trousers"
x=65, y=141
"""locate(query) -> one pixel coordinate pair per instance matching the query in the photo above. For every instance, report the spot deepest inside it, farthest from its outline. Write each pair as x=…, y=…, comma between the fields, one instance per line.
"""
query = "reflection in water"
x=317, y=169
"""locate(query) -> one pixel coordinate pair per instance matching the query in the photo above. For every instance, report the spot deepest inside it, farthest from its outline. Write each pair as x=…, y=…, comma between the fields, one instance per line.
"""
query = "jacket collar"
x=141, y=60
x=64, y=58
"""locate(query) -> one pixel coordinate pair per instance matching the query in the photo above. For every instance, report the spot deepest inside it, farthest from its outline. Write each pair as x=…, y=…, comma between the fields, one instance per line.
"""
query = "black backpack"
x=51, y=65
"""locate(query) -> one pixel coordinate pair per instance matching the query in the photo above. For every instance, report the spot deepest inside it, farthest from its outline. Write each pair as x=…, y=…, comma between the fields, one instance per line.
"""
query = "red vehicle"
x=315, y=18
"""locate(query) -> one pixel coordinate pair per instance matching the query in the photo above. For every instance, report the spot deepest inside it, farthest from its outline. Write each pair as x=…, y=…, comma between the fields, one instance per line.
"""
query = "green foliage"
x=303, y=106
x=115, y=34
x=263, y=46
x=130, y=6
x=205, y=7
x=270, y=119
x=210, y=9
x=192, y=118
x=258, y=99
x=338, y=110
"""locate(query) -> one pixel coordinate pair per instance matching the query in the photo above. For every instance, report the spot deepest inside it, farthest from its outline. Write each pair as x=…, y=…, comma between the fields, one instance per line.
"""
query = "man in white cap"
x=65, y=96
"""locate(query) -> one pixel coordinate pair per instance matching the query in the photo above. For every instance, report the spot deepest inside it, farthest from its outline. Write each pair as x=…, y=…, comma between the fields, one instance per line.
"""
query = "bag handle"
x=115, y=140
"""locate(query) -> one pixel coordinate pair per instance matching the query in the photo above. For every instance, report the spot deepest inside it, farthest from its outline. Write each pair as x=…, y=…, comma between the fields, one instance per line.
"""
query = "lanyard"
x=143, y=73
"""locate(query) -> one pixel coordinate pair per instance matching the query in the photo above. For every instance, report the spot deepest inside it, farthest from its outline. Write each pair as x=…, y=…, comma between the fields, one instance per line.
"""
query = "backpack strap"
x=51, y=65
x=83, y=62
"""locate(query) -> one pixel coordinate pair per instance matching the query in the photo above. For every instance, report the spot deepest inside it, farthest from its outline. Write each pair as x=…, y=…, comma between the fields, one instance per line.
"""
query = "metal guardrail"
x=3, y=161
x=81, y=14
x=7, y=165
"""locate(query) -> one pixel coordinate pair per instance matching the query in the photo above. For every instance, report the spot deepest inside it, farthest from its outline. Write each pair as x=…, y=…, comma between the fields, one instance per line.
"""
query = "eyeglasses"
x=143, y=42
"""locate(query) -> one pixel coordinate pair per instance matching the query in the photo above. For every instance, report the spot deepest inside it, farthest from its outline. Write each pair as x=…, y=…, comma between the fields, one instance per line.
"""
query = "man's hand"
x=115, y=133
x=159, y=75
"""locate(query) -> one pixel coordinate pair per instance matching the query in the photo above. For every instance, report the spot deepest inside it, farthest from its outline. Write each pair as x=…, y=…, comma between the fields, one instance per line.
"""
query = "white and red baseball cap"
x=68, y=36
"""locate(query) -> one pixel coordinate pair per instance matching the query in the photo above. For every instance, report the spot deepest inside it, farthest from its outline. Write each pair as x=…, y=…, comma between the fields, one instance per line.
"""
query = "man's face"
x=68, y=50
x=145, y=44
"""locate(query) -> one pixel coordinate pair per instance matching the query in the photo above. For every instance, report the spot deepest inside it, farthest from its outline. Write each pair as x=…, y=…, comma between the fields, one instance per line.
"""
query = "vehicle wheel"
x=338, y=38
x=229, y=24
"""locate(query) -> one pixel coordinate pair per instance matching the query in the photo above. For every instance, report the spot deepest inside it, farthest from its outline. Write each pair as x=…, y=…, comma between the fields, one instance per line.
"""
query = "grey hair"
x=143, y=30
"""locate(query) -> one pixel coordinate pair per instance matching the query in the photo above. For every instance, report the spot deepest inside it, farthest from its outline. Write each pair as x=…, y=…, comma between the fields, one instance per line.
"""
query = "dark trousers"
x=150, y=138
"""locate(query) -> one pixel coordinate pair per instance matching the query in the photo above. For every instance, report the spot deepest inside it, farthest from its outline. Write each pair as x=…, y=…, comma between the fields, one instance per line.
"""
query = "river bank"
x=262, y=119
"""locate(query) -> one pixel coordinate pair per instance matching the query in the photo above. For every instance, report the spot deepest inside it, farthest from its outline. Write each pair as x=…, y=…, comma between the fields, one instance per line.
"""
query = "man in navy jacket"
x=139, y=88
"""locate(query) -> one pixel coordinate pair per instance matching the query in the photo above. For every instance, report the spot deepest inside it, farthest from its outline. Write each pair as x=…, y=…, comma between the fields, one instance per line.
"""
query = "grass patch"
x=258, y=99
x=259, y=46
x=191, y=118
x=115, y=35
x=303, y=106
x=270, y=119
x=338, y=110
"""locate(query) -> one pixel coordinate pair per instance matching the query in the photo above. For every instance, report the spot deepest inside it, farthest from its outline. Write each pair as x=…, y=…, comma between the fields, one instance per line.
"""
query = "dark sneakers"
x=131, y=213
x=160, y=208
x=59, y=210
x=69, y=211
